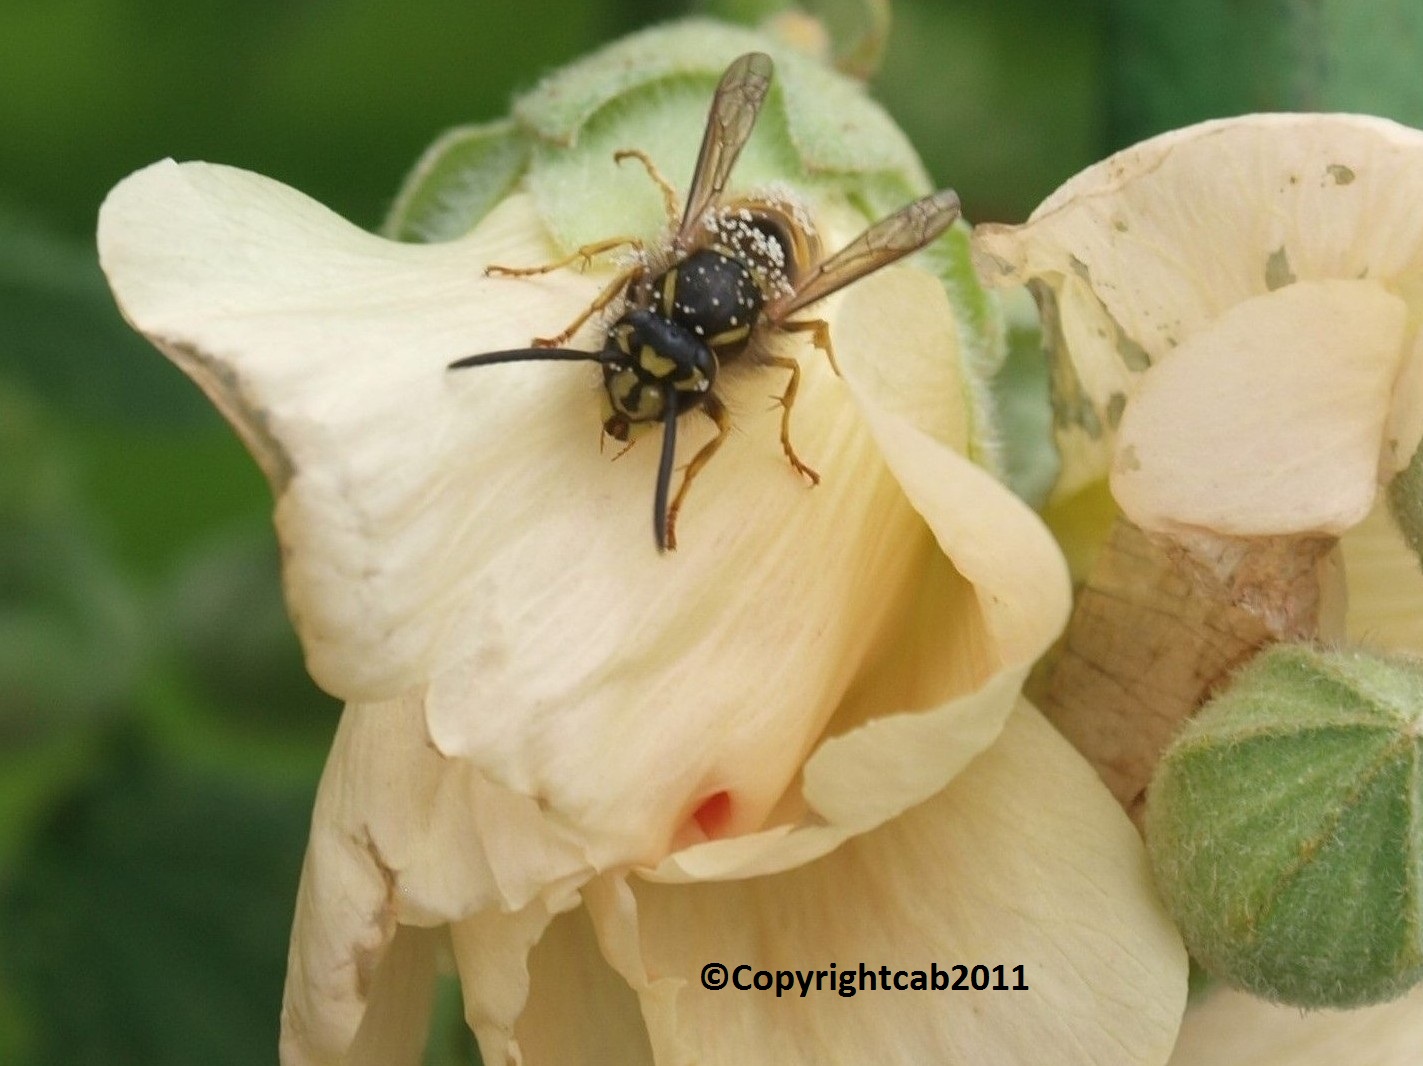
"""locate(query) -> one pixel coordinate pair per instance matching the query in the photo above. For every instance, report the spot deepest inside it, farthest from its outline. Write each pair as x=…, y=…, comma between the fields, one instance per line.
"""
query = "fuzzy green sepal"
x=1284, y=828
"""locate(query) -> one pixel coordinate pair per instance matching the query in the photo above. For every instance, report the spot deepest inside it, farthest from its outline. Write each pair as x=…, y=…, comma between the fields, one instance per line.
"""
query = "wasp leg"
x=611, y=292
x=585, y=252
x=819, y=331
x=787, y=400
x=667, y=532
x=627, y=446
x=670, y=202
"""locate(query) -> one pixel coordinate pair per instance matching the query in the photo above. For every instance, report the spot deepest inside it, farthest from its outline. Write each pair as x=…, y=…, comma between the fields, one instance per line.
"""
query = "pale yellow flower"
x=585, y=770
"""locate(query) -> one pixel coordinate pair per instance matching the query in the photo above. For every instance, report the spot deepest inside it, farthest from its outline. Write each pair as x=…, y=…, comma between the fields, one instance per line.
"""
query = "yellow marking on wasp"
x=730, y=336
x=624, y=338
x=669, y=293
x=656, y=364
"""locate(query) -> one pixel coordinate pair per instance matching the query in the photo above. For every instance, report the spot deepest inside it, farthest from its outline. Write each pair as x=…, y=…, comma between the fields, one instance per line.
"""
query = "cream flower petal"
x=1173, y=231
x=492, y=954
x=464, y=528
x=326, y=348
x=1233, y=1029
x=395, y=1016
x=402, y=836
x=943, y=679
x=1269, y=420
x=1151, y=246
x=580, y=1010
x=1385, y=586
x=1024, y=859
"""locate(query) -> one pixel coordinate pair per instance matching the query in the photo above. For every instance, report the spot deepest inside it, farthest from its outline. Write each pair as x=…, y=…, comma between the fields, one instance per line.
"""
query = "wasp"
x=730, y=275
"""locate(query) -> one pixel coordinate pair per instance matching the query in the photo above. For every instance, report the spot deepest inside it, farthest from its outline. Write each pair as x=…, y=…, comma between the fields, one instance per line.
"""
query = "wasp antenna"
x=525, y=355
x=664, y=477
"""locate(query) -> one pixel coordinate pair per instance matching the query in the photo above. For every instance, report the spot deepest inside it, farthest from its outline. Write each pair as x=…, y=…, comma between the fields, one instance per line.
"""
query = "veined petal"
x=1024, y=859
x=990, y=593
x=1231, y=1028
x=401, y=837
x=1269, y=420
x=326, y=348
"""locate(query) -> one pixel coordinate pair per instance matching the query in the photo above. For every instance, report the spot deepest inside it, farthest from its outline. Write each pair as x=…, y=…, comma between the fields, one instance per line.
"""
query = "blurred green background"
x=159, y=740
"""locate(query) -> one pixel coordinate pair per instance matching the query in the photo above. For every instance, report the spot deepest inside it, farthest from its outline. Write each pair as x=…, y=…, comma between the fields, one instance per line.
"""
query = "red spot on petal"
x=713, y=814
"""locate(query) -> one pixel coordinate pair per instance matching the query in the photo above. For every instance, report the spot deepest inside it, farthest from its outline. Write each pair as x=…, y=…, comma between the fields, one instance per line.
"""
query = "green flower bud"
x=1405, y=500
x=1284, y=828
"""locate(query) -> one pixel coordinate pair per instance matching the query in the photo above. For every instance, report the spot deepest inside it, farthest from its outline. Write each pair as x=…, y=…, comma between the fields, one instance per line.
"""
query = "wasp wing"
x=902, y=233
x=739, y=96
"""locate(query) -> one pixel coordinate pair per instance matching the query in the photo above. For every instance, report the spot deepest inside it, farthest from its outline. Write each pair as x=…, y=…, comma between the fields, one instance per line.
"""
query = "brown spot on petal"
x=366, y=955
x=1277, y=270
x=1116, y=405
x=1341, y=174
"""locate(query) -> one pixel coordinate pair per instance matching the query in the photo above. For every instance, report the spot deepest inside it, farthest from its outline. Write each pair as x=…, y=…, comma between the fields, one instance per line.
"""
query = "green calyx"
x=651, y=90
x=1285, y=828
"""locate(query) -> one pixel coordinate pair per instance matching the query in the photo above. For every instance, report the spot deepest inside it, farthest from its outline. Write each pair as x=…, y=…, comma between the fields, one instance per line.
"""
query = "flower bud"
x=1283, y=826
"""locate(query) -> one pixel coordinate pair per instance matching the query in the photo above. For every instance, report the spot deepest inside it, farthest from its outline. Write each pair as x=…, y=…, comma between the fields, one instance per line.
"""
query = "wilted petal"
x=1024, y=859
x=1147, y=249
x=1173, y=231
x=1233, y=1029
x=402, y=836
x=1269, y=420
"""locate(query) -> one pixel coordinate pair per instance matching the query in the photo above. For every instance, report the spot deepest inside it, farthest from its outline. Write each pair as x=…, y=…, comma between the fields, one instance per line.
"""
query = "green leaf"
x=72, y=633
x=237, y=675
x=148, y=924
x=1175, y=64
x=63, y=338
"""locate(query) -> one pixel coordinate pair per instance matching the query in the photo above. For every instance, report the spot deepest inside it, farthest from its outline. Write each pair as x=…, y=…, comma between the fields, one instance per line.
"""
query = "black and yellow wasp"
x=730, y=274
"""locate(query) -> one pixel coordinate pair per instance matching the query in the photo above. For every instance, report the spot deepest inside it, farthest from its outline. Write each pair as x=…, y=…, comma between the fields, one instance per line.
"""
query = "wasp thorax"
x=714, y=296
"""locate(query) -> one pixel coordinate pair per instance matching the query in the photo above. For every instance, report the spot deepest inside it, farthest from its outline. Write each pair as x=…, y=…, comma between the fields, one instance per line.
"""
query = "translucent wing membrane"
x=902, y=233
x=739, y=96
